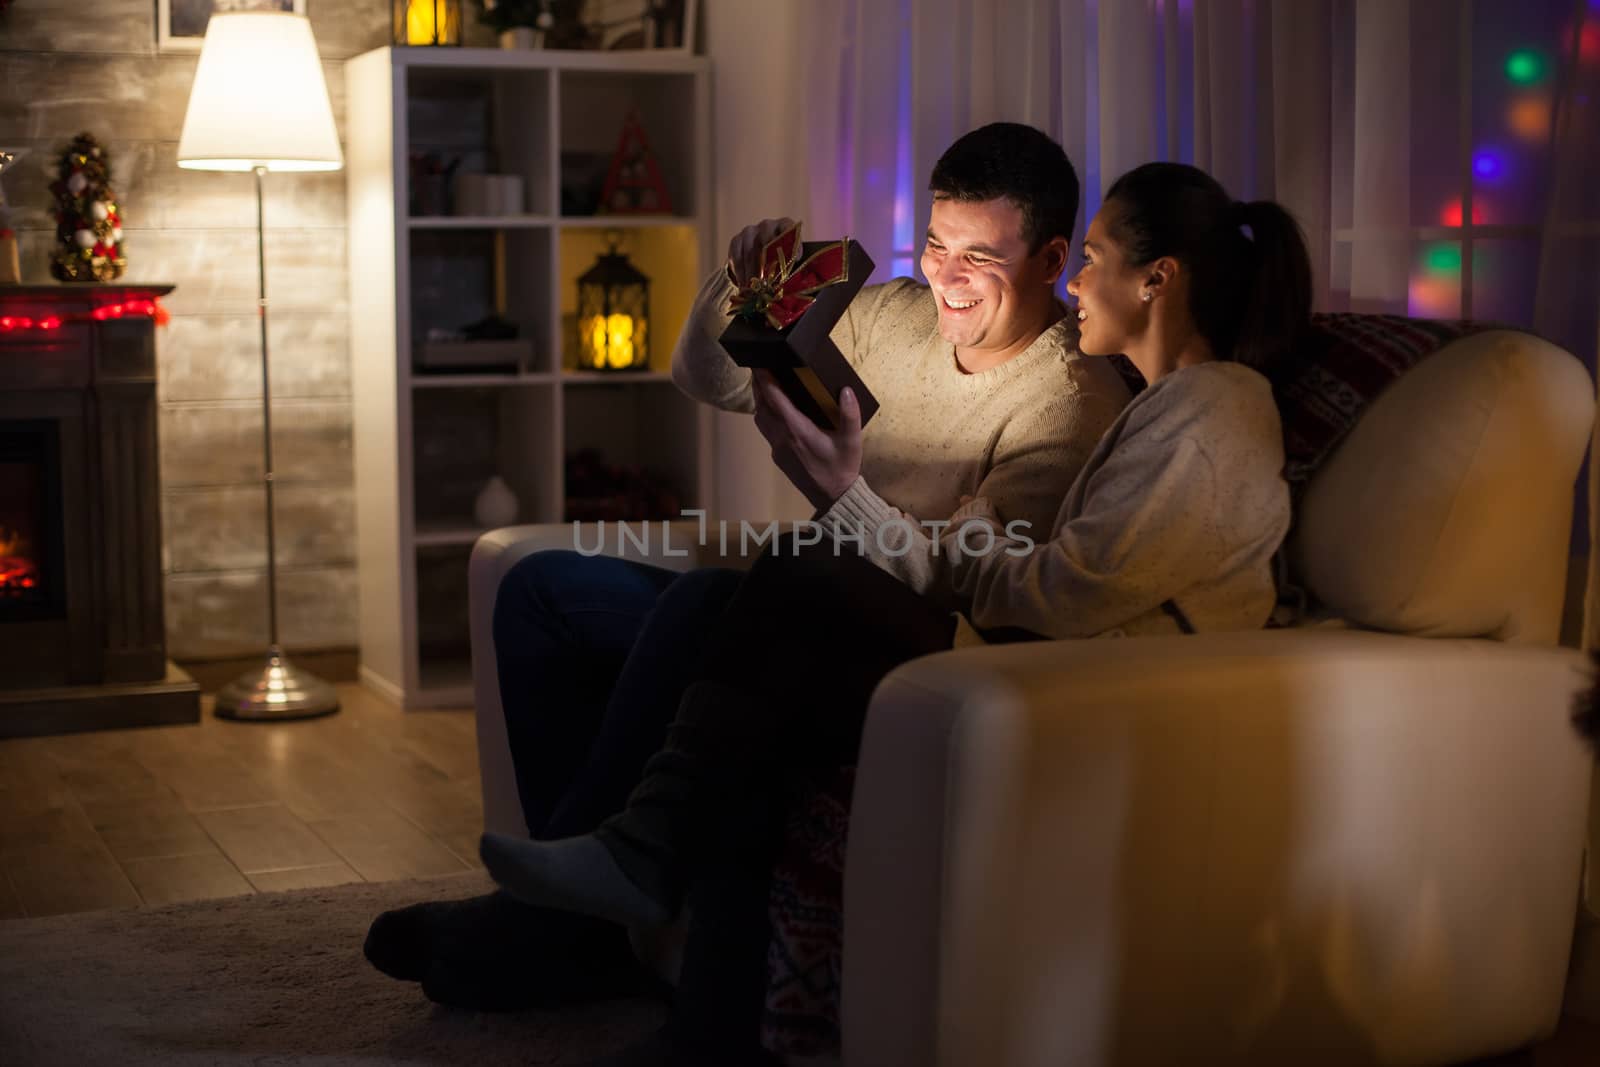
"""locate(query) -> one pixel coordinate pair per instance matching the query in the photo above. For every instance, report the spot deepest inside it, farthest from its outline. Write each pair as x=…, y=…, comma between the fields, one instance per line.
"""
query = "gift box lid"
x=806, y=362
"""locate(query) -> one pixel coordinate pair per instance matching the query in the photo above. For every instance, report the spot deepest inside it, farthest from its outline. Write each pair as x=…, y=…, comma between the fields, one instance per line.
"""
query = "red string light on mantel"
x=128, y=309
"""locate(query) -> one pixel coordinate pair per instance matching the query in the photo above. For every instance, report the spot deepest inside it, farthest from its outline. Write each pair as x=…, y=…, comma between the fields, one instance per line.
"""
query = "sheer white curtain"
x=1368, y=118
x=1439, y=153
x=1116, y=83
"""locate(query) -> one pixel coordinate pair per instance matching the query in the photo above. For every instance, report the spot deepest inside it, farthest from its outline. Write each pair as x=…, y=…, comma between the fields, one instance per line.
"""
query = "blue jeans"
x=593, y=656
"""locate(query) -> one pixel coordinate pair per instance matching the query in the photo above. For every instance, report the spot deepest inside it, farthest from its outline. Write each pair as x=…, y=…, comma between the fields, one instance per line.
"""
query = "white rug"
x=272, y=979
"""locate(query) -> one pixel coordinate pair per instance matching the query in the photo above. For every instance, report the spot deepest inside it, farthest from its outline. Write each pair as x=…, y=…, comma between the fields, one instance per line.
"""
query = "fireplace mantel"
x=78, y=375
x=86, y=293
x=82, y=350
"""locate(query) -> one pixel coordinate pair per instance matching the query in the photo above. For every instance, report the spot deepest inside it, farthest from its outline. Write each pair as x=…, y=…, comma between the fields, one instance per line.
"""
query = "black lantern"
x=613, y=314
x=427, y=22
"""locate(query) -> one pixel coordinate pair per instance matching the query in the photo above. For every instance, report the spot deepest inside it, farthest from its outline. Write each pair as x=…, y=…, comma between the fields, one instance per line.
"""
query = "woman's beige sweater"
x=1183, y=501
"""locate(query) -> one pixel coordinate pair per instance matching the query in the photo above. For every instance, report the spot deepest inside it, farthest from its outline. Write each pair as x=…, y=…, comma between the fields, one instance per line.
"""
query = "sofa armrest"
x=494, y=554
x=1270, y=842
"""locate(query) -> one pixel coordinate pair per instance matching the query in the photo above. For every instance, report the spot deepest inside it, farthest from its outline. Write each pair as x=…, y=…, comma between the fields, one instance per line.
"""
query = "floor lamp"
x=259, y=103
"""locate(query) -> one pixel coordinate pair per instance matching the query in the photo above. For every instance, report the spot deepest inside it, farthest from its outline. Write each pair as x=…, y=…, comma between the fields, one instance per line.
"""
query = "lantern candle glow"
x=613, y=314
x=427, y=22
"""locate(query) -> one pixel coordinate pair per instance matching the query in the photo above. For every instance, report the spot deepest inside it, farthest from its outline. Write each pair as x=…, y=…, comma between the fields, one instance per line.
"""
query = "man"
x=982, y=394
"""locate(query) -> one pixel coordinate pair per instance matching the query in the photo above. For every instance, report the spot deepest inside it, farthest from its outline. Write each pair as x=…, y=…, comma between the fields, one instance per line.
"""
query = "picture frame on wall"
x=181, y=24
x=632, y=25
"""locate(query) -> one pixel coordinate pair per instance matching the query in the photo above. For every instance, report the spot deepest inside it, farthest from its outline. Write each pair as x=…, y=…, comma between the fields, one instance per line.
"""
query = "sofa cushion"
x=1447, y=510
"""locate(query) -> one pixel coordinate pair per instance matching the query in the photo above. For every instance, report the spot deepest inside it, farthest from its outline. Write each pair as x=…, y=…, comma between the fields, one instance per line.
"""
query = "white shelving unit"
x=426, y=442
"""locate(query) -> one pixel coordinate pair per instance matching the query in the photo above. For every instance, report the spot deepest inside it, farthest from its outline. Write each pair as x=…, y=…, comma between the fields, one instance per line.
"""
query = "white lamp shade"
x=258, y=98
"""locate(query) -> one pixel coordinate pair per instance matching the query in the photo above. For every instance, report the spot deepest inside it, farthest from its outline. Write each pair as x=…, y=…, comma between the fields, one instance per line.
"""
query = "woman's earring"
x=1146, y=295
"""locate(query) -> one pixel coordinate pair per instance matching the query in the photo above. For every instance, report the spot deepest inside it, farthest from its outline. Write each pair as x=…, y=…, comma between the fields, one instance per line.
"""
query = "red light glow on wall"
x=1451, y=215
x=1588, y=39
x=150, y=309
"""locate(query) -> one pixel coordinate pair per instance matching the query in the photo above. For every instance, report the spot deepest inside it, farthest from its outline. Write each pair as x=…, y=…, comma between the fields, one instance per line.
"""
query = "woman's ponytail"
x=1277, y=305
x=1250, y=288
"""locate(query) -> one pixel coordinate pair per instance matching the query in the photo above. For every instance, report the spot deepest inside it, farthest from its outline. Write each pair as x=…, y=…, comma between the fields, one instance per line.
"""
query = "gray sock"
x=576, y=874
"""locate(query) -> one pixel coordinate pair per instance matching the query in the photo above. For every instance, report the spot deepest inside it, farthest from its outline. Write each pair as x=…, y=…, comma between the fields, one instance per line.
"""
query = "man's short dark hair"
x=1019, y=163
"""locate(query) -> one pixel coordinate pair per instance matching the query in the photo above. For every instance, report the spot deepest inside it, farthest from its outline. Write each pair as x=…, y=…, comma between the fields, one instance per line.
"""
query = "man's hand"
x=820, y=463
x=744, y=251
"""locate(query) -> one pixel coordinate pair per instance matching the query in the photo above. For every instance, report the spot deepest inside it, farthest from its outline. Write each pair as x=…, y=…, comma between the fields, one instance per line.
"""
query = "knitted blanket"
x=1352, y=359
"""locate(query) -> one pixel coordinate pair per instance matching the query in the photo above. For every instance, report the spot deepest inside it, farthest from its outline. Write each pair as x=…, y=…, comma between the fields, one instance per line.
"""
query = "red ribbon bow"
x=785, y=287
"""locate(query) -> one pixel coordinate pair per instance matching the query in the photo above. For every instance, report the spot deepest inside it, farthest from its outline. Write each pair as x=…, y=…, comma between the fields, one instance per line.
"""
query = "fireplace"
x=31, y=581
x=82, y=635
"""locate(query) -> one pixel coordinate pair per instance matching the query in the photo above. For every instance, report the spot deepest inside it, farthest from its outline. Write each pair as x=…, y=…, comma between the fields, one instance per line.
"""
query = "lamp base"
x=278, y=691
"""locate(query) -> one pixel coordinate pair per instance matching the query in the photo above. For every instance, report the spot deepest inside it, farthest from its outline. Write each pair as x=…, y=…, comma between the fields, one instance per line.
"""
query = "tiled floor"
x=165, y=814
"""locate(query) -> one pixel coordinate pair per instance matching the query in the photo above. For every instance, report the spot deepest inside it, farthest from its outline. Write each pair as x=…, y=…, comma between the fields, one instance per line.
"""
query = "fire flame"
x=17, y=571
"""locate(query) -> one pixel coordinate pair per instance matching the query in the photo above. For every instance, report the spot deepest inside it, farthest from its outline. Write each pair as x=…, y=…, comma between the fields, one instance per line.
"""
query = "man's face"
x=992, y=295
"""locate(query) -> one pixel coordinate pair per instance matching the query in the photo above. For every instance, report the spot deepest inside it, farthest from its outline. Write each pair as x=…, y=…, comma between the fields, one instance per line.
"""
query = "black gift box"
x=806, y=363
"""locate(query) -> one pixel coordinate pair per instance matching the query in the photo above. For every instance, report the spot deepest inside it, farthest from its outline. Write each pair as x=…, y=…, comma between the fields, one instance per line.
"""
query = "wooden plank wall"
x=68, y=66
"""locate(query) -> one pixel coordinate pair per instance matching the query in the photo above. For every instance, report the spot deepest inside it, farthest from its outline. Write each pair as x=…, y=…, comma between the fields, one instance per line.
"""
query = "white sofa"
x=1353, y=842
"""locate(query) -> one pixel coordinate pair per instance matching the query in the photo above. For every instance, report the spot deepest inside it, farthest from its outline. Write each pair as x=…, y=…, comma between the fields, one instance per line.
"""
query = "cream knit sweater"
x=1183, y=500
x=1016, y=434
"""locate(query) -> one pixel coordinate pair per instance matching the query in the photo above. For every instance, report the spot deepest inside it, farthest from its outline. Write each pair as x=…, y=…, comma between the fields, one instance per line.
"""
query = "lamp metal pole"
x=280, y=690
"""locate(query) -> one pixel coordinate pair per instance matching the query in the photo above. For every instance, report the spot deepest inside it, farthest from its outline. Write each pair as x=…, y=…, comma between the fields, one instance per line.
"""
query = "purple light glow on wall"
x=1487, y=164
x=904, y=190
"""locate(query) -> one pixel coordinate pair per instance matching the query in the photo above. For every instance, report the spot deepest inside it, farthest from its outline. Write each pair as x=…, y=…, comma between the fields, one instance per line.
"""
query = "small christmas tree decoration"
x=88, y=219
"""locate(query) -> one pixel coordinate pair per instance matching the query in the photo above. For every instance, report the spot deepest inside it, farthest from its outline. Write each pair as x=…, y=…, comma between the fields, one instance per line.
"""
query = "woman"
x=1171, y=527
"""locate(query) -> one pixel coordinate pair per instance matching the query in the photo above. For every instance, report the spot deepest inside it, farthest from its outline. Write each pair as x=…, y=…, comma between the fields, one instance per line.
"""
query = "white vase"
x=520, y=37
x=496, y=504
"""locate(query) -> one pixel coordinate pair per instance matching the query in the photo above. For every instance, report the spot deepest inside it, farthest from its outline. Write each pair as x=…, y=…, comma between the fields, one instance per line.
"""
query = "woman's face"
x=1110, y=311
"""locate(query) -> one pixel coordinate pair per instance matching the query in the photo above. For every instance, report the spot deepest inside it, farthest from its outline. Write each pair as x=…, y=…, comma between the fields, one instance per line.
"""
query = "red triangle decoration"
x=634, y=185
